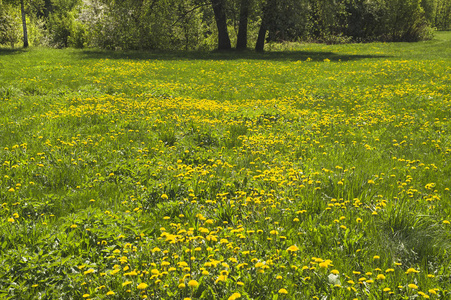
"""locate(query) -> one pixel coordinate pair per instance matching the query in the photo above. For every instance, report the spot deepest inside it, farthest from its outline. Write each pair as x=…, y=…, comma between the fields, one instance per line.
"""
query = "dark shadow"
x=222, y=55
x=9, y=51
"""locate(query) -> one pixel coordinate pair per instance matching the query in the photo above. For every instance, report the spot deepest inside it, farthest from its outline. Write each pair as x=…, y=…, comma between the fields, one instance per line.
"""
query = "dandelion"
x=389, y=270
x=411, y=270
x=126, y=283
x=142, y=286
x=234, y=296
x=413, y=286
x=193, y=283
x=325, y=264
x=380, y=277
x=283, y=291
x=292, y=248
x=110, y=293
x=89, y=271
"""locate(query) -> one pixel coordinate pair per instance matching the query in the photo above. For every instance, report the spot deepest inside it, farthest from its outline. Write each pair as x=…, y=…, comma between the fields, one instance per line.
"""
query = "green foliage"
x=9, y=25
x=162, y=24
x=405, y=21
x=443, y=15
x=61, y=27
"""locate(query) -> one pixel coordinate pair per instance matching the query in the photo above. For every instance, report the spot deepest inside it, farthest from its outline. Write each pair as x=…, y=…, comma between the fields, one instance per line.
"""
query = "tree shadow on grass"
x=224, y=55
x=9, y=51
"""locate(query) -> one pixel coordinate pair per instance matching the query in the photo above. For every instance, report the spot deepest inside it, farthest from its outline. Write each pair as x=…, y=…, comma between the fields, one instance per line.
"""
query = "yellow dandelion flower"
x=411, y=270
x=142, y=286
x=283, y=291
x=413, y=286
x=89, y=271
x=292, y=248
x=389, y=270
x=193, y=283
x=126, y=283
x=110, y=293
x=380, y=277
x=234, y=296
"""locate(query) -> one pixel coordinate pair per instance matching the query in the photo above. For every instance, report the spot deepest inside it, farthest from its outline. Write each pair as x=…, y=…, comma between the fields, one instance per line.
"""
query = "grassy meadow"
x=306, y=172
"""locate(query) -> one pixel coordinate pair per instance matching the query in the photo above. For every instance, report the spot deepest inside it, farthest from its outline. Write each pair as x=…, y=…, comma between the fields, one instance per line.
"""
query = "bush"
x=9, y=26
x=78, y=37
x=405, y=21
x=61, y=26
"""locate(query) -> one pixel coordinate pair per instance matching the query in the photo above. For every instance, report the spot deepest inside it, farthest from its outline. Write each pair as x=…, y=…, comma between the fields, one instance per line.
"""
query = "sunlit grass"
x=310, y=172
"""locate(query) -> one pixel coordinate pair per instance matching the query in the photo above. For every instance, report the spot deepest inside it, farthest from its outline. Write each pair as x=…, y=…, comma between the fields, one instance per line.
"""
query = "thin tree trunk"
x=221, y=23
x=24, y=24
x=241, y=42
x=260, y=45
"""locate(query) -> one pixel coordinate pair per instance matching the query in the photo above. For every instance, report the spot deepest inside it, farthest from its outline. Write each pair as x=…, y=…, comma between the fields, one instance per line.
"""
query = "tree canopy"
x=222, y=24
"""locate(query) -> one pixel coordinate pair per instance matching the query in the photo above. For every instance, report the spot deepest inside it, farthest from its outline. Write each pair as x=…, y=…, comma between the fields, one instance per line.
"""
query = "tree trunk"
x=259, y=46
x=241, y=42
x=24, y=24
x=221, y=23
x=269, y=13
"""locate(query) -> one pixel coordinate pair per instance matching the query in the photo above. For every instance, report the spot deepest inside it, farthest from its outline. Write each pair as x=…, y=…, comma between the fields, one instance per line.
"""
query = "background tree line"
x=223, y=24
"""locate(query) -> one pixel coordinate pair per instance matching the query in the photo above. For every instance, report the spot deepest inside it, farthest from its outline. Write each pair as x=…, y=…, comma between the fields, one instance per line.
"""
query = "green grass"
x=217, y=163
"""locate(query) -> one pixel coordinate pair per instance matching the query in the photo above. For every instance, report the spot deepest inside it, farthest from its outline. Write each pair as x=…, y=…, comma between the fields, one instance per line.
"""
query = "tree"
x=268, y=14
x=241, y=42
x=221, y=24
x=24, y=24
x=24, y=19
x=9, y=26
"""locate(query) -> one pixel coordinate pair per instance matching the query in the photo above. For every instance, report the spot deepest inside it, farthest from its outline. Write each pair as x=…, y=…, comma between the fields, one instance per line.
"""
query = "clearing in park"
x=316, y=172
